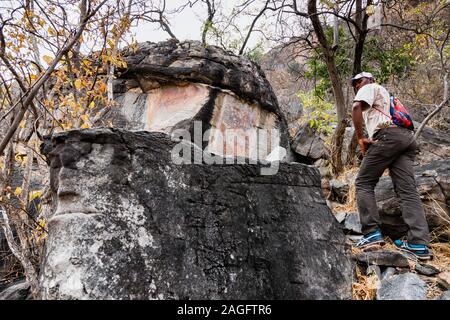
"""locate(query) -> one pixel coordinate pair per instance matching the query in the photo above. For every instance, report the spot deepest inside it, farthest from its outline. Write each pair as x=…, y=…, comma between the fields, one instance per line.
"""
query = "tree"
x=28, y=95
x=56, y=73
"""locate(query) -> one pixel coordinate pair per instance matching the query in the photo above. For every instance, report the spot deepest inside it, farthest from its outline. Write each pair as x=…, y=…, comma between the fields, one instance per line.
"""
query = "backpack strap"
x=383, y=113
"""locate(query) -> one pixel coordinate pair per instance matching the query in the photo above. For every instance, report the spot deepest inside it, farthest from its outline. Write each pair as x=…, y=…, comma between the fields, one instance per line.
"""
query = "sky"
x=185, y=26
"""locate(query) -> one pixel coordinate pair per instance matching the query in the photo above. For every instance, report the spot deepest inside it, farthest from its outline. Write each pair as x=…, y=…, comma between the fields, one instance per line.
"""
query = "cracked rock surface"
x=131, y=224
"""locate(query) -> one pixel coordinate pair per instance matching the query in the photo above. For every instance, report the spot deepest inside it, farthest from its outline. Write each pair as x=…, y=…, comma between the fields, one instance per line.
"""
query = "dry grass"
x=365, y=288
x=434, y=290
x=348, y=175
x=441, y=259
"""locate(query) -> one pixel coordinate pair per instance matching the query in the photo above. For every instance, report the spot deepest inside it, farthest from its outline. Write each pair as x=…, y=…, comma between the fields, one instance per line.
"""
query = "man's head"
x=361, y=79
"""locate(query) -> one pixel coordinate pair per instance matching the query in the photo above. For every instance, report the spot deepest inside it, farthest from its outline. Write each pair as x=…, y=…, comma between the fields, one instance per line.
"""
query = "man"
x=388, y=146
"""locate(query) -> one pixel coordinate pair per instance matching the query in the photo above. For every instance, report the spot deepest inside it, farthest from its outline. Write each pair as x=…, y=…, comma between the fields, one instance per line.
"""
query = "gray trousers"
x=395, y=149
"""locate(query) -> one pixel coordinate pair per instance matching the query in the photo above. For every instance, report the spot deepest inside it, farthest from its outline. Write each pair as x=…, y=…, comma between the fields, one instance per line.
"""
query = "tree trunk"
x=361, y=21
x=351, y=150
x=328, y=55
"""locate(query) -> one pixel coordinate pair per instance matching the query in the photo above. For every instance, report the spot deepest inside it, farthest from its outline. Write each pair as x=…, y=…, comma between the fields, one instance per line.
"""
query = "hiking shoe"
x=371, y=240
x=420, y=251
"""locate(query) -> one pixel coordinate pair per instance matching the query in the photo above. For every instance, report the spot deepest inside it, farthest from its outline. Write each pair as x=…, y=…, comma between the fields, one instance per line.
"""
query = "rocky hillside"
x=138, y=213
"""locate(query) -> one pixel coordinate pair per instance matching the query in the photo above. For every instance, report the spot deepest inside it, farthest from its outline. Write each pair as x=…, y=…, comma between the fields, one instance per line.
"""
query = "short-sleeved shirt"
x=377, y=97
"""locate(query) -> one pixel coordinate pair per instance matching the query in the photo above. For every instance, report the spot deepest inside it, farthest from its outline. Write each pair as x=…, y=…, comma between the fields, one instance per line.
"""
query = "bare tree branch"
x=438, y=108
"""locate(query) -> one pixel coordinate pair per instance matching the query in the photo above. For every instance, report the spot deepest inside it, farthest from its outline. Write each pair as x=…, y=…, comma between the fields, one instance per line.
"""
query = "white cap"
x=361, y=75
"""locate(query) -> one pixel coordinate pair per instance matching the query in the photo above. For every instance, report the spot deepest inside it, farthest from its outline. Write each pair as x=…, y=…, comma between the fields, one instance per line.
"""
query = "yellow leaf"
x=78, y=84
x=47, y=59
x=22, y=124
x=34, y=194
x=51, y=31
x=370, y=10
x=18, y=191
x=85, y=126
x=92, y=105
x=85, y=117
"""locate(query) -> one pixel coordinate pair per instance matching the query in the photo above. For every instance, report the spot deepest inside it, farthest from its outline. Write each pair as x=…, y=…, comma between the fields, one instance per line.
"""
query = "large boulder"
x=223, y=99
x=130, y=223
x=309, y=144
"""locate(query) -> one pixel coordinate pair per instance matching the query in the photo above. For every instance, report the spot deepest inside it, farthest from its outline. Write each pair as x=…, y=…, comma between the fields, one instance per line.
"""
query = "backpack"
x=399, y=115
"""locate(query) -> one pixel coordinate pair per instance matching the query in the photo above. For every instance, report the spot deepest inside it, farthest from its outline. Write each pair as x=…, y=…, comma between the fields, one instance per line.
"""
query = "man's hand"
x=358, y=124
x=363, y=144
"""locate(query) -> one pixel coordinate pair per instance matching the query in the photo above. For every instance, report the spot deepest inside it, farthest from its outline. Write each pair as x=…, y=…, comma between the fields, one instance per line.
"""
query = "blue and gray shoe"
x=420, y=251
x=371, y=240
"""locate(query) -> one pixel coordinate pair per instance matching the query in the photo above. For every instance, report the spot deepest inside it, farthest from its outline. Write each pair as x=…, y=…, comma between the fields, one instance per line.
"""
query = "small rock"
x=389, y=272
x=406, y=286
x=426, y=270
x=352, y=223
x=17, y=291
x=444, y=296
x=340, y=216
x=383, y=258
x=443, y=279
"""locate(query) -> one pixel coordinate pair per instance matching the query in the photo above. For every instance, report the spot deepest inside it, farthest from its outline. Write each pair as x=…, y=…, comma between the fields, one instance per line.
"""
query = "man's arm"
x=358, y=124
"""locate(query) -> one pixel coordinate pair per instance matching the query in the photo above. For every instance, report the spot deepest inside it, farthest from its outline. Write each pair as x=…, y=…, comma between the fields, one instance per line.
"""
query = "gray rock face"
x=406, y=286
x=434, y=145
x=389, y=272
x=283, y=68
x=383, y=258
x=309, y=144
x=352, y=223
x=445, y=296
x=339, y=191
x=131, y=224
